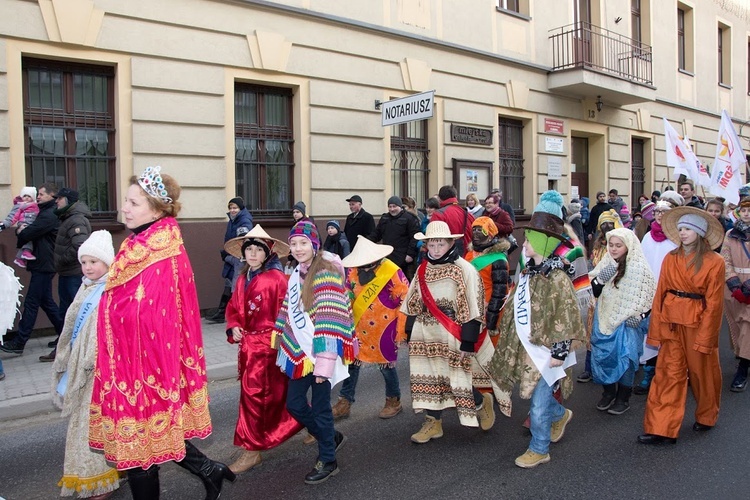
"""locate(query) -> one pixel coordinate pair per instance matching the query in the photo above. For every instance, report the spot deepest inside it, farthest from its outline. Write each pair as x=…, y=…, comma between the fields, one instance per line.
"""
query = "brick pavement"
x=26, y=389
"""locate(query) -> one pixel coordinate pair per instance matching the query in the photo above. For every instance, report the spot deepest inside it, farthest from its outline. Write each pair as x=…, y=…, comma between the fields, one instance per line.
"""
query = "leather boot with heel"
x=211, y=473
x=144, y=484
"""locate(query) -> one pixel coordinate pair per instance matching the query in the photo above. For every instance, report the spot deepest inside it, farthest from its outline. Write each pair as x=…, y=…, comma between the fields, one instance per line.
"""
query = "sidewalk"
x=26, y=389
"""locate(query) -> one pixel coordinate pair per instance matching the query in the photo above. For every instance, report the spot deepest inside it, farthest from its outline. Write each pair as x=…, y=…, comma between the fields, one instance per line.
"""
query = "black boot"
x=622, y=403
x=144, y=484
x=218, y=315
x=211, y=473
x=608, y=397
x=739, y=383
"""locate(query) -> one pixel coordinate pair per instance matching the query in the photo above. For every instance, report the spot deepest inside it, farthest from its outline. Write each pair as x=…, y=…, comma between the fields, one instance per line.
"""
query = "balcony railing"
x=585, y=46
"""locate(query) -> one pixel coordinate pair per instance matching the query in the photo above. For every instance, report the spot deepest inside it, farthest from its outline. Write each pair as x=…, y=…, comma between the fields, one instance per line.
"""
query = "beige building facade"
x=275, y=101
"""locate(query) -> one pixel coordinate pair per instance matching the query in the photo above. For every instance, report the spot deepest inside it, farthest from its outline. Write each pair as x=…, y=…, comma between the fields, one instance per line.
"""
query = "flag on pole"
x=726, y=178
x=704, y=178
x=679, y=155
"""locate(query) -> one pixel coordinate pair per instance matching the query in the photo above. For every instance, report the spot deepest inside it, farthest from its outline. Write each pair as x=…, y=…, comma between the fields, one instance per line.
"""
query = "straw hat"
x=714, y=233
x=234, y=246
x=437, y=230
x=366, y=252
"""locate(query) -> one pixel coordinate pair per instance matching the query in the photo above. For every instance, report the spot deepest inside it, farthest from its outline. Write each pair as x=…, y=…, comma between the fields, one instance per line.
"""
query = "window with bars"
x=264, y=148
x=637, y=172
x=69, y=129
x=409, y=160
x=510, y=138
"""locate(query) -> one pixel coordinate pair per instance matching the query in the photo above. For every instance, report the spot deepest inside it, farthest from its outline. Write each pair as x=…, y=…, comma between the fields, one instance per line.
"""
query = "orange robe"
x=688, y=331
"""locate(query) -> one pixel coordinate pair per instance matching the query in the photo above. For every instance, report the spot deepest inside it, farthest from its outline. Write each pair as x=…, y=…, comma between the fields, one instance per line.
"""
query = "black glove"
x=409, y=326
x=467, y=346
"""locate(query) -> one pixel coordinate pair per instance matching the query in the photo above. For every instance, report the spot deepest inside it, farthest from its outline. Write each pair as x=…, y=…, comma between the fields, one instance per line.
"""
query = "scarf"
x=449, y=258
x=657, y=233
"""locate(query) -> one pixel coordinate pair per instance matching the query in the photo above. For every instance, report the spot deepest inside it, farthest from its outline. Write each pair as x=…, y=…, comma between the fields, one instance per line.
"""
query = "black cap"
x=237, y=201
x=356, y=198
x=70, y=194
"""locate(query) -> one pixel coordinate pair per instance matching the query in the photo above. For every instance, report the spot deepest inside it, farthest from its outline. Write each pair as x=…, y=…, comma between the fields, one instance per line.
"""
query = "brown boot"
x=246, y=461
x=309, y=439
x=391, y=409
x=341, y=409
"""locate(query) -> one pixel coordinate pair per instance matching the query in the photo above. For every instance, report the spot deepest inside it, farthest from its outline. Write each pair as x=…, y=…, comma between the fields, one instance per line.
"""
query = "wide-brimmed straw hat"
x=714, y=233
x=366, y=252
x=234, y=246
x=437, y=230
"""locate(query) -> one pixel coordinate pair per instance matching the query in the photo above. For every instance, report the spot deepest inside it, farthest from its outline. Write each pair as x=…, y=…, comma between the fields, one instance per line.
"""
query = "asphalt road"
x=598, y=457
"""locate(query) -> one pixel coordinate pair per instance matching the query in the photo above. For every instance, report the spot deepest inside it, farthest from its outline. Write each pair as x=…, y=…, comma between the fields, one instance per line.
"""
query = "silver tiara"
x=150, y=181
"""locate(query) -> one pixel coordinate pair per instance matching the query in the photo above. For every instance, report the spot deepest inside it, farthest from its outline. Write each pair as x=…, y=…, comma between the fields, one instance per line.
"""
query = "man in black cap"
x=358, y=222
x=74, y=229
x=397, y=228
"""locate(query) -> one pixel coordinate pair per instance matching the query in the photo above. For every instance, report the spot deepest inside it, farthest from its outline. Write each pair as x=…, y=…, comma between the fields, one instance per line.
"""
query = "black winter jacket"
x=74, y=229
x=398, y=232
x=42, y=233
x=360, y=223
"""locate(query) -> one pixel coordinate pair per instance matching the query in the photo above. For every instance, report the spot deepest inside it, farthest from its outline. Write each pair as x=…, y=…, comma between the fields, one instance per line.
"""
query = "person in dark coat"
x=336, y=242
x=600, y=207
x=397, y=228
x=358, y=222
x=240, y=222
x=459, y=220
x=574, y=219
x=42, y=232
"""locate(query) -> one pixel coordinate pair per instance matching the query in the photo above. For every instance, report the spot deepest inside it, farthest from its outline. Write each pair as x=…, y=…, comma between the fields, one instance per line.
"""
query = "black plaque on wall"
x=471, y=135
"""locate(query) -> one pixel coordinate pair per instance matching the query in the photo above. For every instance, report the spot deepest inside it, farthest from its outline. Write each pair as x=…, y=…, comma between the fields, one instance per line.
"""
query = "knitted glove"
x=633, y=321
x=733, y=283
x=746, y=288
x=741, y=298
x=607, y=273
x=560, y=350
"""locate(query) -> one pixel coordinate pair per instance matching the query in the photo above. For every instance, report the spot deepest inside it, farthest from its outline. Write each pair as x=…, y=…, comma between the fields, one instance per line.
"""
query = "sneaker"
x=12, y=347
x=391, y=409
x=558, y=428
x=584, y=377
x=431, y=429
x=27, y=255
x=531, y=459
x=339, y=439
x=619, y=408
x=341, y=409
x=20, y=263
x=486, y=412
x=739, y=383
x=321, y=472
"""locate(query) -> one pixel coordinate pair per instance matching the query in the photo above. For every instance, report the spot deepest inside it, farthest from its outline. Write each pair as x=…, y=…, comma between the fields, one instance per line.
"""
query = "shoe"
x=608, y=397
x=20, y=263
x=217, y=316
x=391, y=409
x=12, y=347
x=2, y=376
x=531, y=459
x=584, y=377
x=27, y=255
x=622, y=402
x=648, y=375
x=339, y=439
x=486, y=412
x=431, y=429
x=53, y=343
x=246, y=461
x=321, y=472
x=739, y=384
x=341, y=409
x=558, y=428
x=309, y=439
x=698, y=427
x=654, y=439
x=48, y=358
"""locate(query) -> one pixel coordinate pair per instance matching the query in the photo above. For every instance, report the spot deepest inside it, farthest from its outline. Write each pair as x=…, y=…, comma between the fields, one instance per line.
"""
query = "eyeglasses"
x=659, y=212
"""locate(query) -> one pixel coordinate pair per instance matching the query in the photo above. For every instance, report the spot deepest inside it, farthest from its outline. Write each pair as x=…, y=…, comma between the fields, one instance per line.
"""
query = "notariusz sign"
x=407, y=109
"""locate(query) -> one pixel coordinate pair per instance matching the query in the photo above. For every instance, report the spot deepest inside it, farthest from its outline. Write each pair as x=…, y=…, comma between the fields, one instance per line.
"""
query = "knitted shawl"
x=635, y=292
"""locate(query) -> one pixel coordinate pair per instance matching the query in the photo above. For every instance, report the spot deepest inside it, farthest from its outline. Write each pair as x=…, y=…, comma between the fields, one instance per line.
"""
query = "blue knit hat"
x=550, y=202
x=308, y=230
x=335, y=224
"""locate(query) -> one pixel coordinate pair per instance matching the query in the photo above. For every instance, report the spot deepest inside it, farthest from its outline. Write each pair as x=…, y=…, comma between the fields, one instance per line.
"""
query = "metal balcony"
x=588, y=60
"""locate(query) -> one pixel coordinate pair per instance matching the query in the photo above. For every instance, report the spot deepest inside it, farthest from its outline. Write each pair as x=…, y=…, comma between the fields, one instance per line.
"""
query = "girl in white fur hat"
x=24, y=212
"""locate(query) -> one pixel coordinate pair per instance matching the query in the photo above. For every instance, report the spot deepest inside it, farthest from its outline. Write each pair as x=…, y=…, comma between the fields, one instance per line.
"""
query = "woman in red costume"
x=264, y=421
x=150, y=390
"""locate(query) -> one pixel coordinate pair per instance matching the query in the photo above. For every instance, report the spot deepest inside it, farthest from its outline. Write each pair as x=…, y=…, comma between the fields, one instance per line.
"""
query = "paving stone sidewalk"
x=25, y=392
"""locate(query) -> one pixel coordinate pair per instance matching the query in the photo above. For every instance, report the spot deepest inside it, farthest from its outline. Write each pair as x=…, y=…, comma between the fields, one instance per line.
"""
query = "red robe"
x=263, y=421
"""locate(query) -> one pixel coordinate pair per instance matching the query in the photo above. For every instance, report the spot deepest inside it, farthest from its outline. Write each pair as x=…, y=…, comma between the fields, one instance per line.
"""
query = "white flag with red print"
x=726, y=178
x=704, y=178
x=679, y=155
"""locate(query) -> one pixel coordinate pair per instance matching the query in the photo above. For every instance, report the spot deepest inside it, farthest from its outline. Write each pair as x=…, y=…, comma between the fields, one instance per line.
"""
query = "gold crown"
x=151, y=182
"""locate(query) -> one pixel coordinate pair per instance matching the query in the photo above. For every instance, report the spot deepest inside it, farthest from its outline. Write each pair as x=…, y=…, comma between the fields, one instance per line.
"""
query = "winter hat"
x=609, y=216
x=28, y=190
x=300, y=205
x=574, y=207
x=546, y=222
x=70, y=194
x=744, y=190
x=673, y=197
x=395, y=200
x=625, y=210
x=692, y=221
x=333, y=223
x=551, y=202
x=647, y=211
x=237, y=201
x=98, y=245
x=489, y=228
x=308, y=230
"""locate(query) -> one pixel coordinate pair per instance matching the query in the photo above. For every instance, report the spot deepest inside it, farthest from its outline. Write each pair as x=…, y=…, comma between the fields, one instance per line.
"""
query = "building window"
x=681, y=39
x=510, y=138
x=635, y=22
x=69, y=128
x=724, y=54
x=748, y=66
x=409, y=160
x=685, y=38
x=637, y=172
x=511, y=5
x=264, y=148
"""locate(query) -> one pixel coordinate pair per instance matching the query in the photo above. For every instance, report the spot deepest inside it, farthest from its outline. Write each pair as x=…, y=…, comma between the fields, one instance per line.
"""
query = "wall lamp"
x=599, y=103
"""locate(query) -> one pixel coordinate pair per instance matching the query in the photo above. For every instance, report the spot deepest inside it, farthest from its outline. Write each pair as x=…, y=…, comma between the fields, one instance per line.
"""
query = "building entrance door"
x=579, y=165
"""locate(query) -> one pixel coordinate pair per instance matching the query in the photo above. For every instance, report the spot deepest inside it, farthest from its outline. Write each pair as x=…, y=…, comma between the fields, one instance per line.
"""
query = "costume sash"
x=89, y=305
x=304, y=329
x=485, y=260
x=370, y=292
x=540, y=355
x=447, y=323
